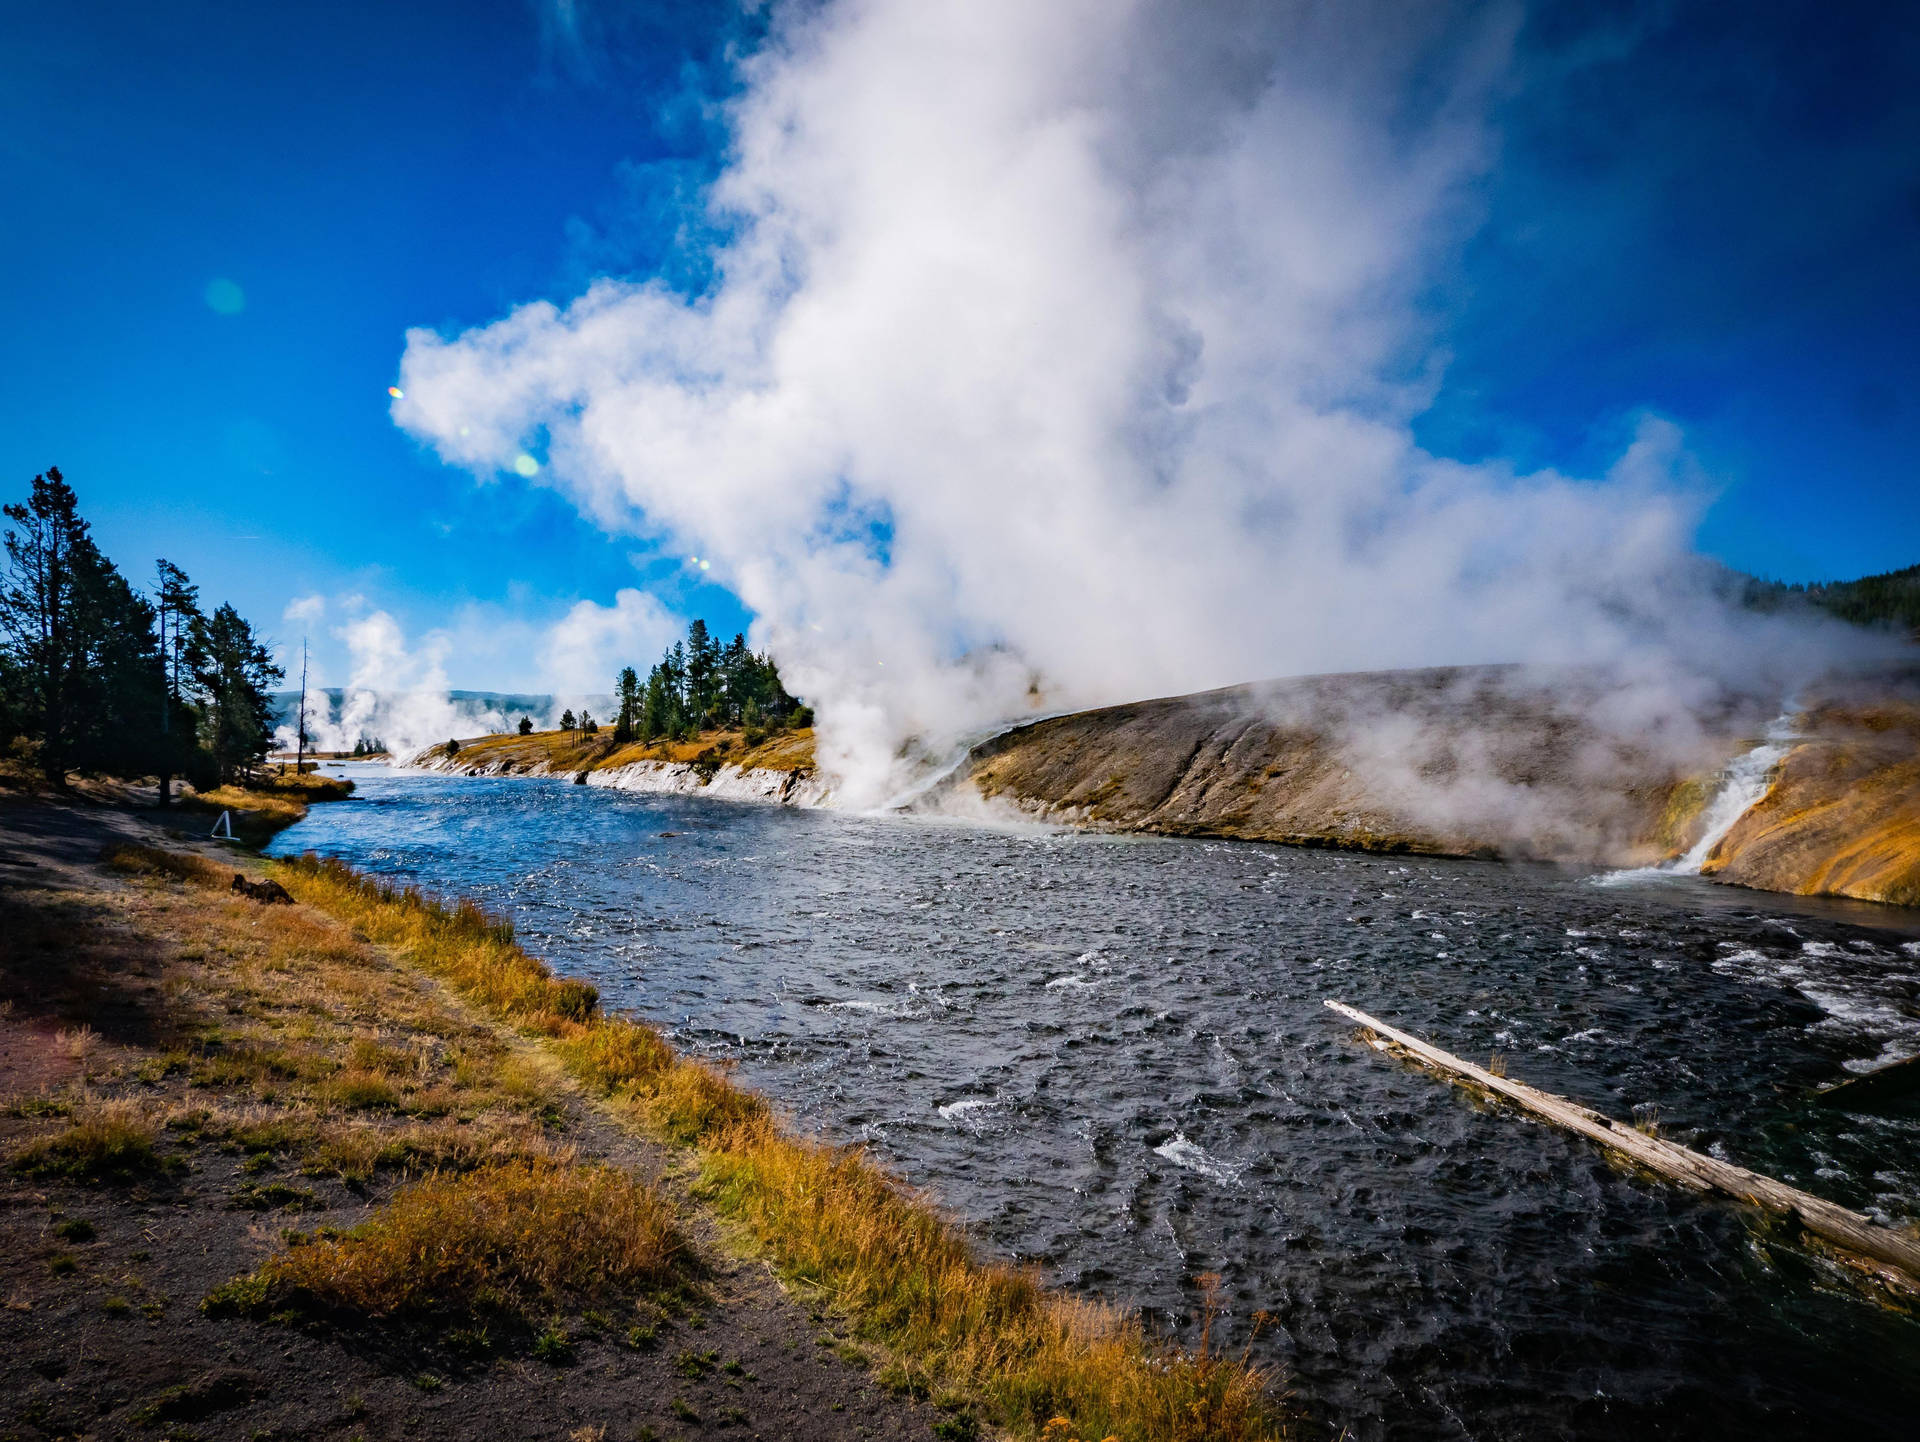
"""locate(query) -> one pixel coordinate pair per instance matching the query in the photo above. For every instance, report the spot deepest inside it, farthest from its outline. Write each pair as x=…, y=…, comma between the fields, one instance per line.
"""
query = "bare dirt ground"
x=127, y=995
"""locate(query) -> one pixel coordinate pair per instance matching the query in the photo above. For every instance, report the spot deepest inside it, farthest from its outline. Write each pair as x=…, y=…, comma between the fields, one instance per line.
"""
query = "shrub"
x=523, y=1239
x=553, y=1346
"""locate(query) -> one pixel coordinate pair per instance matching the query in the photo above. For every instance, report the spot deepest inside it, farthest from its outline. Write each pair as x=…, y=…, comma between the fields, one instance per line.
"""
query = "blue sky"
x=1713, y=217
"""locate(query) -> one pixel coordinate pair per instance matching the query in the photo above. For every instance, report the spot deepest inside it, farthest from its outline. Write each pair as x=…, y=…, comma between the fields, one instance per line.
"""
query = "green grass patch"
x=111, y=1146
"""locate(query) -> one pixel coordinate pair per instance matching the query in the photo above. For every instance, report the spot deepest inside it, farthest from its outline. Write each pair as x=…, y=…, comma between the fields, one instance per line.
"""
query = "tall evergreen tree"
x=237, y=675
x=181, y=628
x=628, y=687
x=703, y=673
x=38, y=605
x=121, y=688
x=699, y=683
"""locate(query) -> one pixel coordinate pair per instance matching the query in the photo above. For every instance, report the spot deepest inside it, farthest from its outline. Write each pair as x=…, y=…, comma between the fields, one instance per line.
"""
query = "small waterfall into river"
x=1742, y=784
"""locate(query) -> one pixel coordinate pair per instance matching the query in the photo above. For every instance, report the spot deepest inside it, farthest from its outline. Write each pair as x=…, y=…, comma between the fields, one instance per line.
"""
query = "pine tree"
x=566, y=720
x=628, y=686
x=236, y=716
x=703, y=674
x=526, y=725
x=121, y=691
x=736, y=679
x=656, y=709
x=181, y=625
x=37, y=612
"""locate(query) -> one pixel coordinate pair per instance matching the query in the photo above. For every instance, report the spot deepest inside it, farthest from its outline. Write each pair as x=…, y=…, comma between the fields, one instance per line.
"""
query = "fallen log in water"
x=1833, y=1224
x=1872, y=1090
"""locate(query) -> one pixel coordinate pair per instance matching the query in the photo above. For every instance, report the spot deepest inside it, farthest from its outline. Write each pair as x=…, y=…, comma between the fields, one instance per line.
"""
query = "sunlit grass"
x=521, y=1239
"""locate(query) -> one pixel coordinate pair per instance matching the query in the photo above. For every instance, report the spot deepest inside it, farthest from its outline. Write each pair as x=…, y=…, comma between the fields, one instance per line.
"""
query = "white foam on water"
x=1194, y=1158
x=957, y=1111
x=1859, y=1008
x=1072, y=983
x=872, y=1008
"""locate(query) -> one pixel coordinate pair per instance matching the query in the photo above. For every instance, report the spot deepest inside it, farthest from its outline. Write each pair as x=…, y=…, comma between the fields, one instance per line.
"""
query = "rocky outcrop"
x=778, y=771
x=1493, y=761
x=728, y=783
x=1473, y=761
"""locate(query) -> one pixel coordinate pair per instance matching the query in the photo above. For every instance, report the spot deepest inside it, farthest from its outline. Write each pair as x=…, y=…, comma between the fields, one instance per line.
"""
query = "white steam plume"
x=398, y=692
x=1080, y=341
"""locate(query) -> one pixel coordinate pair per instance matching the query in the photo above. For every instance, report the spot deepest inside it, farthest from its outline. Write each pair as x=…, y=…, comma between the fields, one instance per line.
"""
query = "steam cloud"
x=397, y=691
x=1065, y=353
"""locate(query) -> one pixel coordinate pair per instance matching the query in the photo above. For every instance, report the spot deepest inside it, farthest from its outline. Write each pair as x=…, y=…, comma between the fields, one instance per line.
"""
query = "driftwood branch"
x=1836, y=1225
x=1872, y=1090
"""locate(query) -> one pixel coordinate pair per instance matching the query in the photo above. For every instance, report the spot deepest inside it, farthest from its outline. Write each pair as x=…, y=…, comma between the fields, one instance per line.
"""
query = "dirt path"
x=226, y=1031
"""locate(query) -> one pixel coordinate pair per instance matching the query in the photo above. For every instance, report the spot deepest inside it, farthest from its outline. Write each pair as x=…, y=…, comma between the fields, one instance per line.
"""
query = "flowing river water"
x=1109, y=1056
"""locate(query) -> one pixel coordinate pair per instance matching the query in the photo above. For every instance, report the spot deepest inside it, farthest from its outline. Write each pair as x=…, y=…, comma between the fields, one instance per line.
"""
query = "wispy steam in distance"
x=1077, y=344
x=397, y=691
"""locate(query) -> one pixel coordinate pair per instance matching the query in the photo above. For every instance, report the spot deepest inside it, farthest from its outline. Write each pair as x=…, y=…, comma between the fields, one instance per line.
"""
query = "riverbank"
x=229, y=1123
x=1492, y=762
x=726, y=763
x=1110, y=1055
x=1495, y=762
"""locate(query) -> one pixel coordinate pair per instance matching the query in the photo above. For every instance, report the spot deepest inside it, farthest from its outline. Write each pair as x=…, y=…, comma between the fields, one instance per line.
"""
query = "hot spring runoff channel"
x=1109, y=1055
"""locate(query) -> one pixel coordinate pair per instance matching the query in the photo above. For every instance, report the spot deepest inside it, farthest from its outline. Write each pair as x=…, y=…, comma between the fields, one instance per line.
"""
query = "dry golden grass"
x=297, y=1010
x=235, y=798
x=521, y=1239
x=179, y=865
x=300, y=1044
x=830, y=1217
x=359, y=1150
x=562, y=751
x=307, y=785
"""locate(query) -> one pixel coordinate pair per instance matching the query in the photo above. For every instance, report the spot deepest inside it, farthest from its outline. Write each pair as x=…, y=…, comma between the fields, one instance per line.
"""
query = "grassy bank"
x=947, y=1322
x=262, y=1175
x=557, y=752
x=260, y=809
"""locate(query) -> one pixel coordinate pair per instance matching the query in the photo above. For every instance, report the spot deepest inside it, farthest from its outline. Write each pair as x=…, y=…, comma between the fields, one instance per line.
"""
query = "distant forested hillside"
x=1892, y=599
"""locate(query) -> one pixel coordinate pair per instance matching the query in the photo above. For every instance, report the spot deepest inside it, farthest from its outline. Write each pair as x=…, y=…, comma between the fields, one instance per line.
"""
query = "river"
x=1109, y=1055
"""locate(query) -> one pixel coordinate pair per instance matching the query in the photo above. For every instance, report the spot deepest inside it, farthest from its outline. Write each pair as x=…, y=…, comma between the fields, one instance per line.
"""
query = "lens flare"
x=525, y=464
x=396, y=393
x=224, y=297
